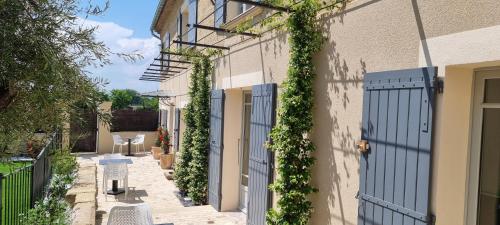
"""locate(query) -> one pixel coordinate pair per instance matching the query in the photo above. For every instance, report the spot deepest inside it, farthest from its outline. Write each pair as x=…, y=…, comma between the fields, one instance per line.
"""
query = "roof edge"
x=159, y=11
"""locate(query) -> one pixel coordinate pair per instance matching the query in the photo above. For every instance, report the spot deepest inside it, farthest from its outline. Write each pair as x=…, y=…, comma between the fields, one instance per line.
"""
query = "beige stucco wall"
x=105, y=138
x=369, y=36
x=451, y=145
x=231, y=162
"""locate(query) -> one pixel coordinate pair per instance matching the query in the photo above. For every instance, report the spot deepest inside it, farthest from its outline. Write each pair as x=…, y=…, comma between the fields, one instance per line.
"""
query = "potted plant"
x=156, y=150
x=166, y=159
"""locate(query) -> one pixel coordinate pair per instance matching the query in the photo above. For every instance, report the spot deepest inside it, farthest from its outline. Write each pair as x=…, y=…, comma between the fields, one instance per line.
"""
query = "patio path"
x=147, y=184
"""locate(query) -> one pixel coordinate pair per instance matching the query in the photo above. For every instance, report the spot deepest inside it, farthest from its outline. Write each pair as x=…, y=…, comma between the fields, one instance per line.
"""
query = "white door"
x=244, y=150
x=484, y=177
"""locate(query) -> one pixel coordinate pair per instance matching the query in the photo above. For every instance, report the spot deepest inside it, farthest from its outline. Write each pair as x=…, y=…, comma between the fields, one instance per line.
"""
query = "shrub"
x=165, y=142
x=64, y=165
x=54, y=210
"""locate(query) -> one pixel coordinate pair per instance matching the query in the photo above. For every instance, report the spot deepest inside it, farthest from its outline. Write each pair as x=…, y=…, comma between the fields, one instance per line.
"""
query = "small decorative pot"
x=166, y=161
x=156, y=151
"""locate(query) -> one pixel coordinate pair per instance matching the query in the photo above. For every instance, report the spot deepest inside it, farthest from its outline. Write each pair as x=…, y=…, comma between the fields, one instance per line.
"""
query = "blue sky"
x=124, y=28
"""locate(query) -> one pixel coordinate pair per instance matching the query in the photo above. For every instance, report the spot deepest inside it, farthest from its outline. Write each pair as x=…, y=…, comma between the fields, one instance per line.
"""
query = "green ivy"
x=295, y=120
x=198, y=184
x=182, y=167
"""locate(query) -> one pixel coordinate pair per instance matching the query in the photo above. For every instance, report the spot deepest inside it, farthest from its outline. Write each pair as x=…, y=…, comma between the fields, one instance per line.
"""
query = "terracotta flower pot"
x=166, y=161
x=156, y=152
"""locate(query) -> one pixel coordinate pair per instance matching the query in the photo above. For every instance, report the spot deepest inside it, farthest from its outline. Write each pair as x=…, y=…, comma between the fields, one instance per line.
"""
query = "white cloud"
x=118, y=39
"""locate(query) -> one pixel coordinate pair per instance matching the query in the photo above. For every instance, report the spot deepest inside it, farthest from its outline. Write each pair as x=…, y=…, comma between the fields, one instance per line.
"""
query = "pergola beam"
x=166, y=74
x=172, y=60
x=172, y=53
x=170, y=71
x=200, y=45
x=153, y=80
x=224, y=30
x=174, y=67
x=151, y=76
x=166, y=70
x=157, y=75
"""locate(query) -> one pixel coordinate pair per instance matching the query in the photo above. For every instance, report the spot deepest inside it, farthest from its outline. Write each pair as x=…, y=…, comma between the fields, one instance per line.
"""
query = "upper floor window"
x=232, y=13
x=244, y=7
x=187, y=15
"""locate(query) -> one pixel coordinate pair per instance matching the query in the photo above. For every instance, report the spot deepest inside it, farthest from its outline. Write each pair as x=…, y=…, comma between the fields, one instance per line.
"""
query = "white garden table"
x=119, y=160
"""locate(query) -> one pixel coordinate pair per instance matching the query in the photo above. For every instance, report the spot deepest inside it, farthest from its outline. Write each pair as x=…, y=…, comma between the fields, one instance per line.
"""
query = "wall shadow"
x=338, y=94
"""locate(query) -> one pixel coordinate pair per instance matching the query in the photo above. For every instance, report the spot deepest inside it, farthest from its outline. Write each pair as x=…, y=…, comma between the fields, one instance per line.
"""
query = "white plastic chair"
x=115, y=171
x=130, y=215
x=138, y=141
x=117, y=140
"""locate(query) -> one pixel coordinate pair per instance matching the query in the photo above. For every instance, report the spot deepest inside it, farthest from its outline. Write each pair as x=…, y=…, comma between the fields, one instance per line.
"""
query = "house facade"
x=406, y=108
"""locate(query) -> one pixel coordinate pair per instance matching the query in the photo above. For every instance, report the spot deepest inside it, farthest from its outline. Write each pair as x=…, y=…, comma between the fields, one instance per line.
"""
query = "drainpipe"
x=155, y=34
x=159, y=110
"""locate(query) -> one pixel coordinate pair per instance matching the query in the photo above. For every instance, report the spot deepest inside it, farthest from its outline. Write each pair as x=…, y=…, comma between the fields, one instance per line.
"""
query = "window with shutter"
x=220, y=12
x=192, y=19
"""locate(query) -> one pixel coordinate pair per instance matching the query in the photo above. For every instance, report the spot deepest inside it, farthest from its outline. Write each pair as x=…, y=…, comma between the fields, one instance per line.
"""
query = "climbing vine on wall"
x=198, y=177
x=295, y=119
x=182, y=167
x=191, y=172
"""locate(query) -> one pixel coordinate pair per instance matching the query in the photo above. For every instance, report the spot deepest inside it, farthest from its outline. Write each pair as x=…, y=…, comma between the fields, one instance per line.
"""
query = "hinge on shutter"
x=439, y=84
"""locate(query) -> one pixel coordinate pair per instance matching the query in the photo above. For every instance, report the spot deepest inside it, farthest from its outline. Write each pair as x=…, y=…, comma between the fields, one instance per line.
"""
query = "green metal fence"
x=25, y=184
x=16, y=195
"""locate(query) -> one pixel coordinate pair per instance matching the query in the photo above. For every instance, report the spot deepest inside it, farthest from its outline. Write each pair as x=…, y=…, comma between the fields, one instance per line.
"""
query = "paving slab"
x=147, y=184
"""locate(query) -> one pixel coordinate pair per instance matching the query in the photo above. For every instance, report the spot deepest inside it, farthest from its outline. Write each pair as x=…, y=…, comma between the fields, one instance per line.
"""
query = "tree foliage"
x=125, y=98
x=44, y=50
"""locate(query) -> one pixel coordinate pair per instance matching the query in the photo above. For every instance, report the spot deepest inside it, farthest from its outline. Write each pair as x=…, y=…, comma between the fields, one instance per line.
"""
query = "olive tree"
x=44, y=50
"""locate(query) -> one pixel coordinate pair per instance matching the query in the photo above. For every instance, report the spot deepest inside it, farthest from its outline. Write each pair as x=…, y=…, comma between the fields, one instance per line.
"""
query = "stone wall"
x=82, y=196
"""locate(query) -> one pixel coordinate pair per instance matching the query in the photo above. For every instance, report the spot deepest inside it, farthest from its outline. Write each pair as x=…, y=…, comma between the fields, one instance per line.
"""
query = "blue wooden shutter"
x=179, y=29
x=216, y=148
x=395, y=173
x=177, y=128
x=261, y=161
x=220, y=12
x=193, y=19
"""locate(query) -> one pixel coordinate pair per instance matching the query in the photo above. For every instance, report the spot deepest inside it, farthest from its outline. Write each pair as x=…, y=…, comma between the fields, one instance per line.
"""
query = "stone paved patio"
x=148, y=185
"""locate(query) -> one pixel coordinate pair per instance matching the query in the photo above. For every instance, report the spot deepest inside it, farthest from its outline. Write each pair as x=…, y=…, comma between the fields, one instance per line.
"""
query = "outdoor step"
x=82, y=196
x=84, y=214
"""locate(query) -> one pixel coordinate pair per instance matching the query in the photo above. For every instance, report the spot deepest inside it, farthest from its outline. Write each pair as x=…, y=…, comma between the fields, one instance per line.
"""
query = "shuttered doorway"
x=397, y=122
x=260, y=164
x=216, y=148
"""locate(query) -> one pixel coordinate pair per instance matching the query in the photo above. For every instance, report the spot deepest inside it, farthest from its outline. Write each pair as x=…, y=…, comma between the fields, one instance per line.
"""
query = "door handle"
x=363, y=146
